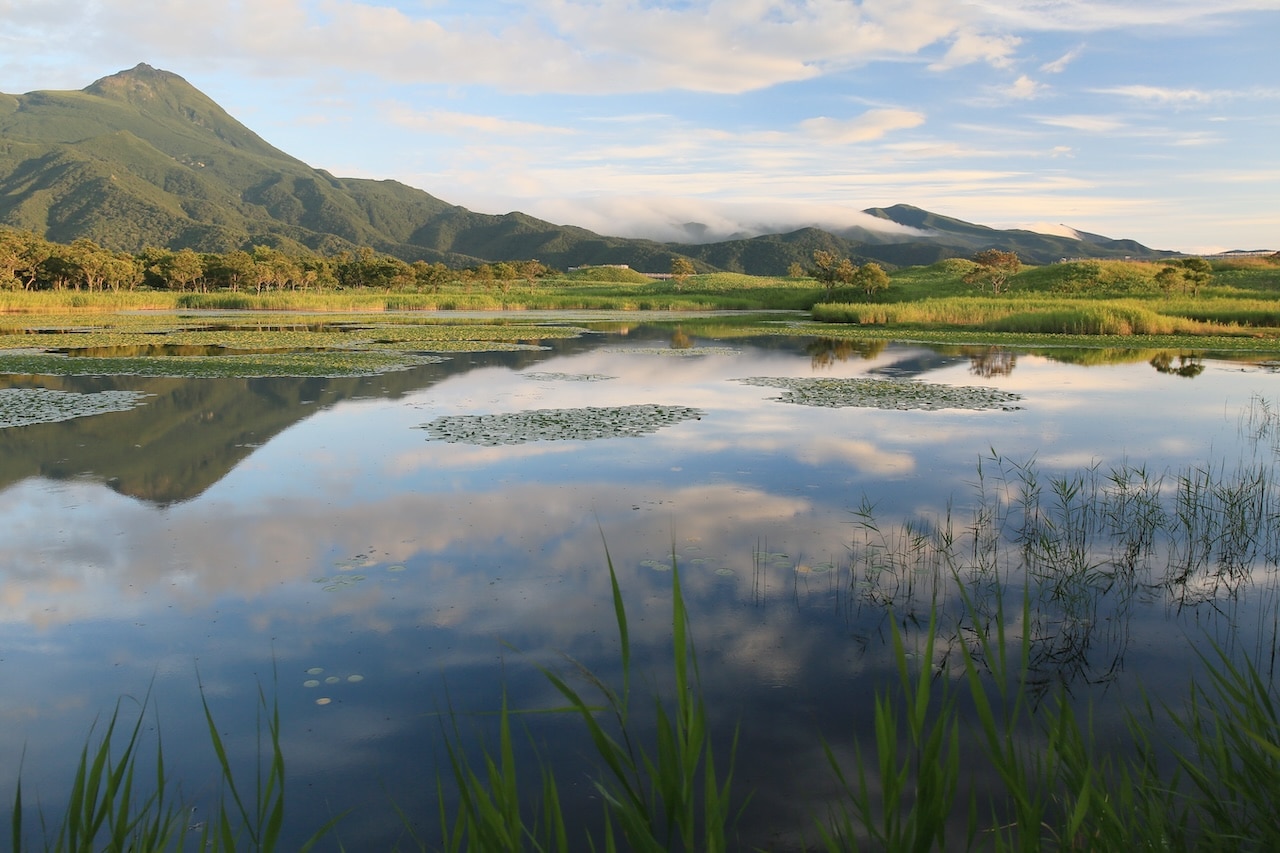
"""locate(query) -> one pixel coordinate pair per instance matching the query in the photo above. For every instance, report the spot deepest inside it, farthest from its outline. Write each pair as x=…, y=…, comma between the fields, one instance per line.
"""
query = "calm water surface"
x=310, y=537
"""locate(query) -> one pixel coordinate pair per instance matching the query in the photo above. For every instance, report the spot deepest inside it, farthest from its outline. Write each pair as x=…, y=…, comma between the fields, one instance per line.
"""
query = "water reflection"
x=826, y=352
x=268, y=529
x=1188, y=366
x=992, y=361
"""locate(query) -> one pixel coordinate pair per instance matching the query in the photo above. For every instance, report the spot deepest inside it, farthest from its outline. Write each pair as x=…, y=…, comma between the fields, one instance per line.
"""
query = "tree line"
x=29, y=262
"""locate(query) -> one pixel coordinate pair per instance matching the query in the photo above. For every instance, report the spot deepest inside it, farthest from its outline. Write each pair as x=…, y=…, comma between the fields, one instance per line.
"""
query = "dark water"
x=309, y=537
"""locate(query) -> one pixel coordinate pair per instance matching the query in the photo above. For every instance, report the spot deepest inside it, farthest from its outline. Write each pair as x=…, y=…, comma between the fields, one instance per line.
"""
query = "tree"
x=1186, y=274
x=92, y=261
x=994, y=269
x=21, y=256
x=872, y=278
x=433, y=276
x=833, y=271
x=681, y=269
x=181, y=269
x=122, y=270
x=795, y=270
x=232, y=269
x=531, y=269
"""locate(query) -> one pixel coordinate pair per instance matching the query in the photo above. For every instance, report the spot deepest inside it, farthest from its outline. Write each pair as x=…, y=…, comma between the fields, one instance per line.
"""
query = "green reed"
x=659, y=781
x=115, y=804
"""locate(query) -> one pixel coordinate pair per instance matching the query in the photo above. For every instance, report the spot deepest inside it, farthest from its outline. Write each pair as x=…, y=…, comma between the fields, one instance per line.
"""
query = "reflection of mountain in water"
x=191, y=432
x=917, y=363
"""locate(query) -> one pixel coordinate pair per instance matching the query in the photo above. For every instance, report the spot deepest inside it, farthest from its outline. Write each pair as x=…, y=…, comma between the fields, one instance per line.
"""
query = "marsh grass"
x=115, y=804
x=658, y=782
x=1035, y=314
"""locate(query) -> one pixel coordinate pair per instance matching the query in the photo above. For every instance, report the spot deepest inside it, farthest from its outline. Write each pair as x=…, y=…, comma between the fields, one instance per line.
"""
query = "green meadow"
x=1237, y=307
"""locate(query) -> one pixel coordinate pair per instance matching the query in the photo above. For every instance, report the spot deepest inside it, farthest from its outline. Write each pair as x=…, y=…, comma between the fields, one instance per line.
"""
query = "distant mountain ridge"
x=143, y=158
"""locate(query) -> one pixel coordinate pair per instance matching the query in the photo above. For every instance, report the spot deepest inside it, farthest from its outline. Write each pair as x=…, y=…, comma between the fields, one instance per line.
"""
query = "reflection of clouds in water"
x=197, y=553
x=864, y=456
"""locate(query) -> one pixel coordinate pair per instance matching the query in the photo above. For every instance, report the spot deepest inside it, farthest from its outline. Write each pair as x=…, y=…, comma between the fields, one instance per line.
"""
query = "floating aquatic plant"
x=567, y=377
x=320, y=364
x=885, y=394
x=26, y=406
x=582, y=424
x=680, y=352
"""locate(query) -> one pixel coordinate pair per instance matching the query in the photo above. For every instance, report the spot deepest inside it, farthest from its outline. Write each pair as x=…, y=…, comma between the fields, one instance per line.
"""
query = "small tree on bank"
x=1185, y=274
x=994, y=269
x=832, y=271
x=872, y=278
x=681, y=269
x=836, y=272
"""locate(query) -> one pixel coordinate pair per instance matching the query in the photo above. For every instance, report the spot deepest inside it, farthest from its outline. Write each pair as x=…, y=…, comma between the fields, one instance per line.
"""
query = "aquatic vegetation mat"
x=885, y=394
x=582, y=424
x=326, y=364
x=25, y=406
x=567, y=377
x=677, y=352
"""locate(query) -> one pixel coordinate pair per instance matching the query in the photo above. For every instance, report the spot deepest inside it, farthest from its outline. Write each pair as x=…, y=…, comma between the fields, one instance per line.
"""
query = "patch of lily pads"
x=255, y=346
x=886, y=394
x=676, y=352
x=26, y=406
x=250, y=366
x=567, y=377
x=584, y=424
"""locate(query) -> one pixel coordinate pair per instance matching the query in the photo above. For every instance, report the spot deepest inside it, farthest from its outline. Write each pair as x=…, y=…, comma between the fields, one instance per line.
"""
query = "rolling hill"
x=143, y=158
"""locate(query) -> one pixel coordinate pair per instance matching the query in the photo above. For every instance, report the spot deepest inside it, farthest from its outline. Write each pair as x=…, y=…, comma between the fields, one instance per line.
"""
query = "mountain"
x=143, y=158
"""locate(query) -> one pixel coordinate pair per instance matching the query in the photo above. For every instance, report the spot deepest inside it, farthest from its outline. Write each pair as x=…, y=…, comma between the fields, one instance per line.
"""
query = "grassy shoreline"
x=1069, y=304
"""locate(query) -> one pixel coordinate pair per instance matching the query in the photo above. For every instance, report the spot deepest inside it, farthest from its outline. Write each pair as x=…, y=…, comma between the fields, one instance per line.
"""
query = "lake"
x=386, y=555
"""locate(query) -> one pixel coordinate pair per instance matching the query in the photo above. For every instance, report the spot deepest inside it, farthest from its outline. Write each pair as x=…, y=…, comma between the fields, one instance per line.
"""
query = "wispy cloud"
x=444, y=121
x=969, y=46
x=1085, y=123
x=1098, y=15
x=1060, y=64
x=1166, y=95
x=871, y=125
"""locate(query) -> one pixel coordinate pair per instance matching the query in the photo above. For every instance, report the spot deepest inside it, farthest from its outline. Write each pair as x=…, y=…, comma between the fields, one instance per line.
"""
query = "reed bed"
x=1041, y=315
x=78, y=302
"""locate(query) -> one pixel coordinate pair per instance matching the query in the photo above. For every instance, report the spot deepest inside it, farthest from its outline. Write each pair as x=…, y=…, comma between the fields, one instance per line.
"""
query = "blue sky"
x=1155, y=120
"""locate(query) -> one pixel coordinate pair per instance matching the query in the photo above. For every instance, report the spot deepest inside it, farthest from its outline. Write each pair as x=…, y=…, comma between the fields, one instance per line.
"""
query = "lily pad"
x=678, y=352
x=567, y=377
x=335, y=363
x=582, y=424
x=885, y=394
x=26, y=406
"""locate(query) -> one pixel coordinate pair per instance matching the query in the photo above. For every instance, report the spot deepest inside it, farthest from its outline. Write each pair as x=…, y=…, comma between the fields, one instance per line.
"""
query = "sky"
x=1152, y=120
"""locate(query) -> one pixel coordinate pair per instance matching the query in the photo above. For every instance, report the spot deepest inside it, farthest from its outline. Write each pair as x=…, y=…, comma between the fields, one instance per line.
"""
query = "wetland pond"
x=376, y=548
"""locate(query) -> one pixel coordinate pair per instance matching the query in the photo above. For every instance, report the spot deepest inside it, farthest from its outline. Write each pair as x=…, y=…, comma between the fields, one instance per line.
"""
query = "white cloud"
x=969, y=46
x=1161, y=95
x=1023, y=89
x=1085, y=123
x=675, y=218
x=869, y=126
x=1098, y=15
x=1060, y=64
x=582, y=46
x=444, y=121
